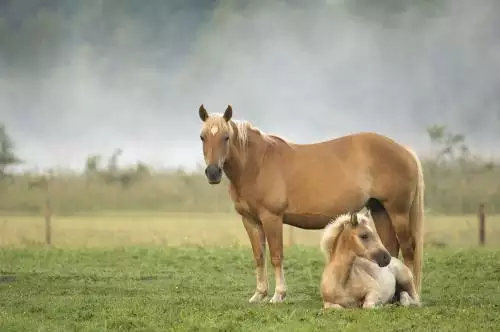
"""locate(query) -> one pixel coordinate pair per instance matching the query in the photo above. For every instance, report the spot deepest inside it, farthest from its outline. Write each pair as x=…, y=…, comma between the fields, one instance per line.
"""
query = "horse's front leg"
x=372, y=300
x=329, y=305
x=273, y=227
x=258, y=241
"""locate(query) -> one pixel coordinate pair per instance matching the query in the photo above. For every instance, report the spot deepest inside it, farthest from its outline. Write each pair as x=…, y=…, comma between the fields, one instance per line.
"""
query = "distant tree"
x=7, y=155
x=112, y=173
x=92, y=164
x=92, y=169
x=113, y=160
x=449, y=146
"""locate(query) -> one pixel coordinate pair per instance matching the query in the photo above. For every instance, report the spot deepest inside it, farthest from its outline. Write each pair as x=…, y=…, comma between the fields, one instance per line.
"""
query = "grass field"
x=192, y=289
x=189, y=272
x=173, y=229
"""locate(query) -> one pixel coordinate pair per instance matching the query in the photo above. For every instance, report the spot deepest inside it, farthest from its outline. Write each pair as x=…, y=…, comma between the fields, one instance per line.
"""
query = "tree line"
x=457, y=181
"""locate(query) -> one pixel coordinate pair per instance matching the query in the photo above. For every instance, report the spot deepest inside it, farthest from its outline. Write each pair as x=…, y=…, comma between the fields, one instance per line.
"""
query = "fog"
x=311, y=74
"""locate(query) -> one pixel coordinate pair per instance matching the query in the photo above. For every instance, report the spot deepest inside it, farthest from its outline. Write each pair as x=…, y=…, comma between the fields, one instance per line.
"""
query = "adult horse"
x=275, y=182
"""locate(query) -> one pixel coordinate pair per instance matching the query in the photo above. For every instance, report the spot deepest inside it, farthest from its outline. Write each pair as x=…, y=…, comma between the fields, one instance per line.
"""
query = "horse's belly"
x=313, y=209
x=306, y=221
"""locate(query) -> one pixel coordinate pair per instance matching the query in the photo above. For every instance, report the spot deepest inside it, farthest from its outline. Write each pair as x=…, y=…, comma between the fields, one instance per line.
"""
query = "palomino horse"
x=273, y=181
x=359, y=271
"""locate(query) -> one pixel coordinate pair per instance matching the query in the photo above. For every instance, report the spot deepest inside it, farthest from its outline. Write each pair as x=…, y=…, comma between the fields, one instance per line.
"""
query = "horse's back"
x=350, y=160
x=367, y=147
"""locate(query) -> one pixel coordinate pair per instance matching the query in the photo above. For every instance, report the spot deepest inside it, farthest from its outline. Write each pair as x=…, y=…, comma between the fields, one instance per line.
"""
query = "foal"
x=359, y=270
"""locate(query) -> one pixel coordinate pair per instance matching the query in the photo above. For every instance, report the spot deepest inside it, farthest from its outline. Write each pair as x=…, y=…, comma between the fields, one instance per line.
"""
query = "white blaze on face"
x=214, y=130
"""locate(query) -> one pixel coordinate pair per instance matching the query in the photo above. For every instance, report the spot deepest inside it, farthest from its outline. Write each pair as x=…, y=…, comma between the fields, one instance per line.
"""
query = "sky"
x=307, y=75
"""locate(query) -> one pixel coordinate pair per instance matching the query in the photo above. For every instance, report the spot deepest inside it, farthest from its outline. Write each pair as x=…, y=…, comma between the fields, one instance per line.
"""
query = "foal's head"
x=215, y=134
x=361, y=237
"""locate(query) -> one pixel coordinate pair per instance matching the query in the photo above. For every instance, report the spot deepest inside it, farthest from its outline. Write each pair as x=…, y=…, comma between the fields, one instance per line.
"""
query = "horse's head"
x=215, y=135
x=364, y=239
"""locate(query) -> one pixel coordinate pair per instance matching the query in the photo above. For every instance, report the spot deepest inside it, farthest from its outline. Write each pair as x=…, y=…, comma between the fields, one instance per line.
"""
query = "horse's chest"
x=374, y=279
x=387, y=283
x=245, y=206
x=251, y=199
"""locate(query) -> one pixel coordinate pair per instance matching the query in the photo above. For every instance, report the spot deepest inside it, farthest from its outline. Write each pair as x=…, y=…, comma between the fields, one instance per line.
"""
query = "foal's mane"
x=332, y=231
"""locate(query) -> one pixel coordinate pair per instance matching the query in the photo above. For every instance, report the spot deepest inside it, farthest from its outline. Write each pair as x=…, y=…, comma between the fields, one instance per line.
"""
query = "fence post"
x=43, y=184
x=48, y=224
x=482, y=221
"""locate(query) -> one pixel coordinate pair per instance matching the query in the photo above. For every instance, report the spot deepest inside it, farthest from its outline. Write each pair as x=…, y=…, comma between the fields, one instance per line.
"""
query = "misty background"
x=89, y=76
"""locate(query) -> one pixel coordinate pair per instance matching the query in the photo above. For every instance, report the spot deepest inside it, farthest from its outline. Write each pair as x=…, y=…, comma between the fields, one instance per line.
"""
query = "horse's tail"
x=417, y=223
x=327, y=242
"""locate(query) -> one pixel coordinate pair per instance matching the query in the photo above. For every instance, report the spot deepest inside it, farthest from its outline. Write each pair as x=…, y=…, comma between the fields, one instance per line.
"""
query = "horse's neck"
x=243, y=162
x=341, y=265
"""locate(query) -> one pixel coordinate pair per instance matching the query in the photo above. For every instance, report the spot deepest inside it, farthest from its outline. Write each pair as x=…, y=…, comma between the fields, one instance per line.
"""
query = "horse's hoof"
x=257, y=297
x=277, y=298
x=328, y=305
x=405, y=299
x=370, y=305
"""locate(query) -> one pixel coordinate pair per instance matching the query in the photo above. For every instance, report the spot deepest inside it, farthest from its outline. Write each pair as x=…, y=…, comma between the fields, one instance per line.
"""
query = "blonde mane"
x=331, y=233
x=216, y=120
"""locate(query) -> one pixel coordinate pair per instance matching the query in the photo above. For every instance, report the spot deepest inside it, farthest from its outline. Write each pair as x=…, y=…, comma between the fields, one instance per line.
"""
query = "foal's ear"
x=228, y=113
x=354, y=219
x=203, y=113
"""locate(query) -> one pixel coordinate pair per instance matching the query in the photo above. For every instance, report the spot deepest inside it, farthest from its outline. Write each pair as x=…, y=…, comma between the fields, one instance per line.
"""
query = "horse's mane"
x=243, y=127
x=240, y=129
x=331, y=233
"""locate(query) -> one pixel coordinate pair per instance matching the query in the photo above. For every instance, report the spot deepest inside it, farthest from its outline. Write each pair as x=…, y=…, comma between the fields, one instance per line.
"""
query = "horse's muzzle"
x=213, y=173
x=382, y=257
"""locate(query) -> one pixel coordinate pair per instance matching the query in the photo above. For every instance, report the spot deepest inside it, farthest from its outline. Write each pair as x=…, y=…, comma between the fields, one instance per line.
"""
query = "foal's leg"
x=404, y=278
x=405, y=300
x=372, y=299
x=329, y=305
x=258, y=241
x=273, y=227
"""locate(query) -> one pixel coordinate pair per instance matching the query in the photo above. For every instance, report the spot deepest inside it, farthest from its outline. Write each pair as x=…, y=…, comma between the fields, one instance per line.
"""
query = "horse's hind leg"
x=384, y=226
x=401, y=224
x=258, y=241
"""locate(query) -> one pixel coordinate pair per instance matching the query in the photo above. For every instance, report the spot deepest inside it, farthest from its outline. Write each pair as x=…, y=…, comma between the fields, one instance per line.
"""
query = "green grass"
x=192, y=288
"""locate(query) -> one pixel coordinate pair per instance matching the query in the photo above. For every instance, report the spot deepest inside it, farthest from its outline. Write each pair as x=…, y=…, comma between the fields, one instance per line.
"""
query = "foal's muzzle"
x=213, y=173
x=382, y=257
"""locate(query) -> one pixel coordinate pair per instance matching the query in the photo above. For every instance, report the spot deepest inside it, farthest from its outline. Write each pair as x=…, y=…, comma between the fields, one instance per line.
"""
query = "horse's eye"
x=202, y=138
x=363, y=236
x=226, y=138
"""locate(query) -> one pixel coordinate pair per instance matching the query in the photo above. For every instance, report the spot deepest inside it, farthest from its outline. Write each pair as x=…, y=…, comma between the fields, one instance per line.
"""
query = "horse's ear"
x=203, y=113
x=228, y=113
x=354, y=219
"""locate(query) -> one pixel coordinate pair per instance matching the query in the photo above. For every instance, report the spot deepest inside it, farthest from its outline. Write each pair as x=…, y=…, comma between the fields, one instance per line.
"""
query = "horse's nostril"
x=387, y=258
x=213, y=172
